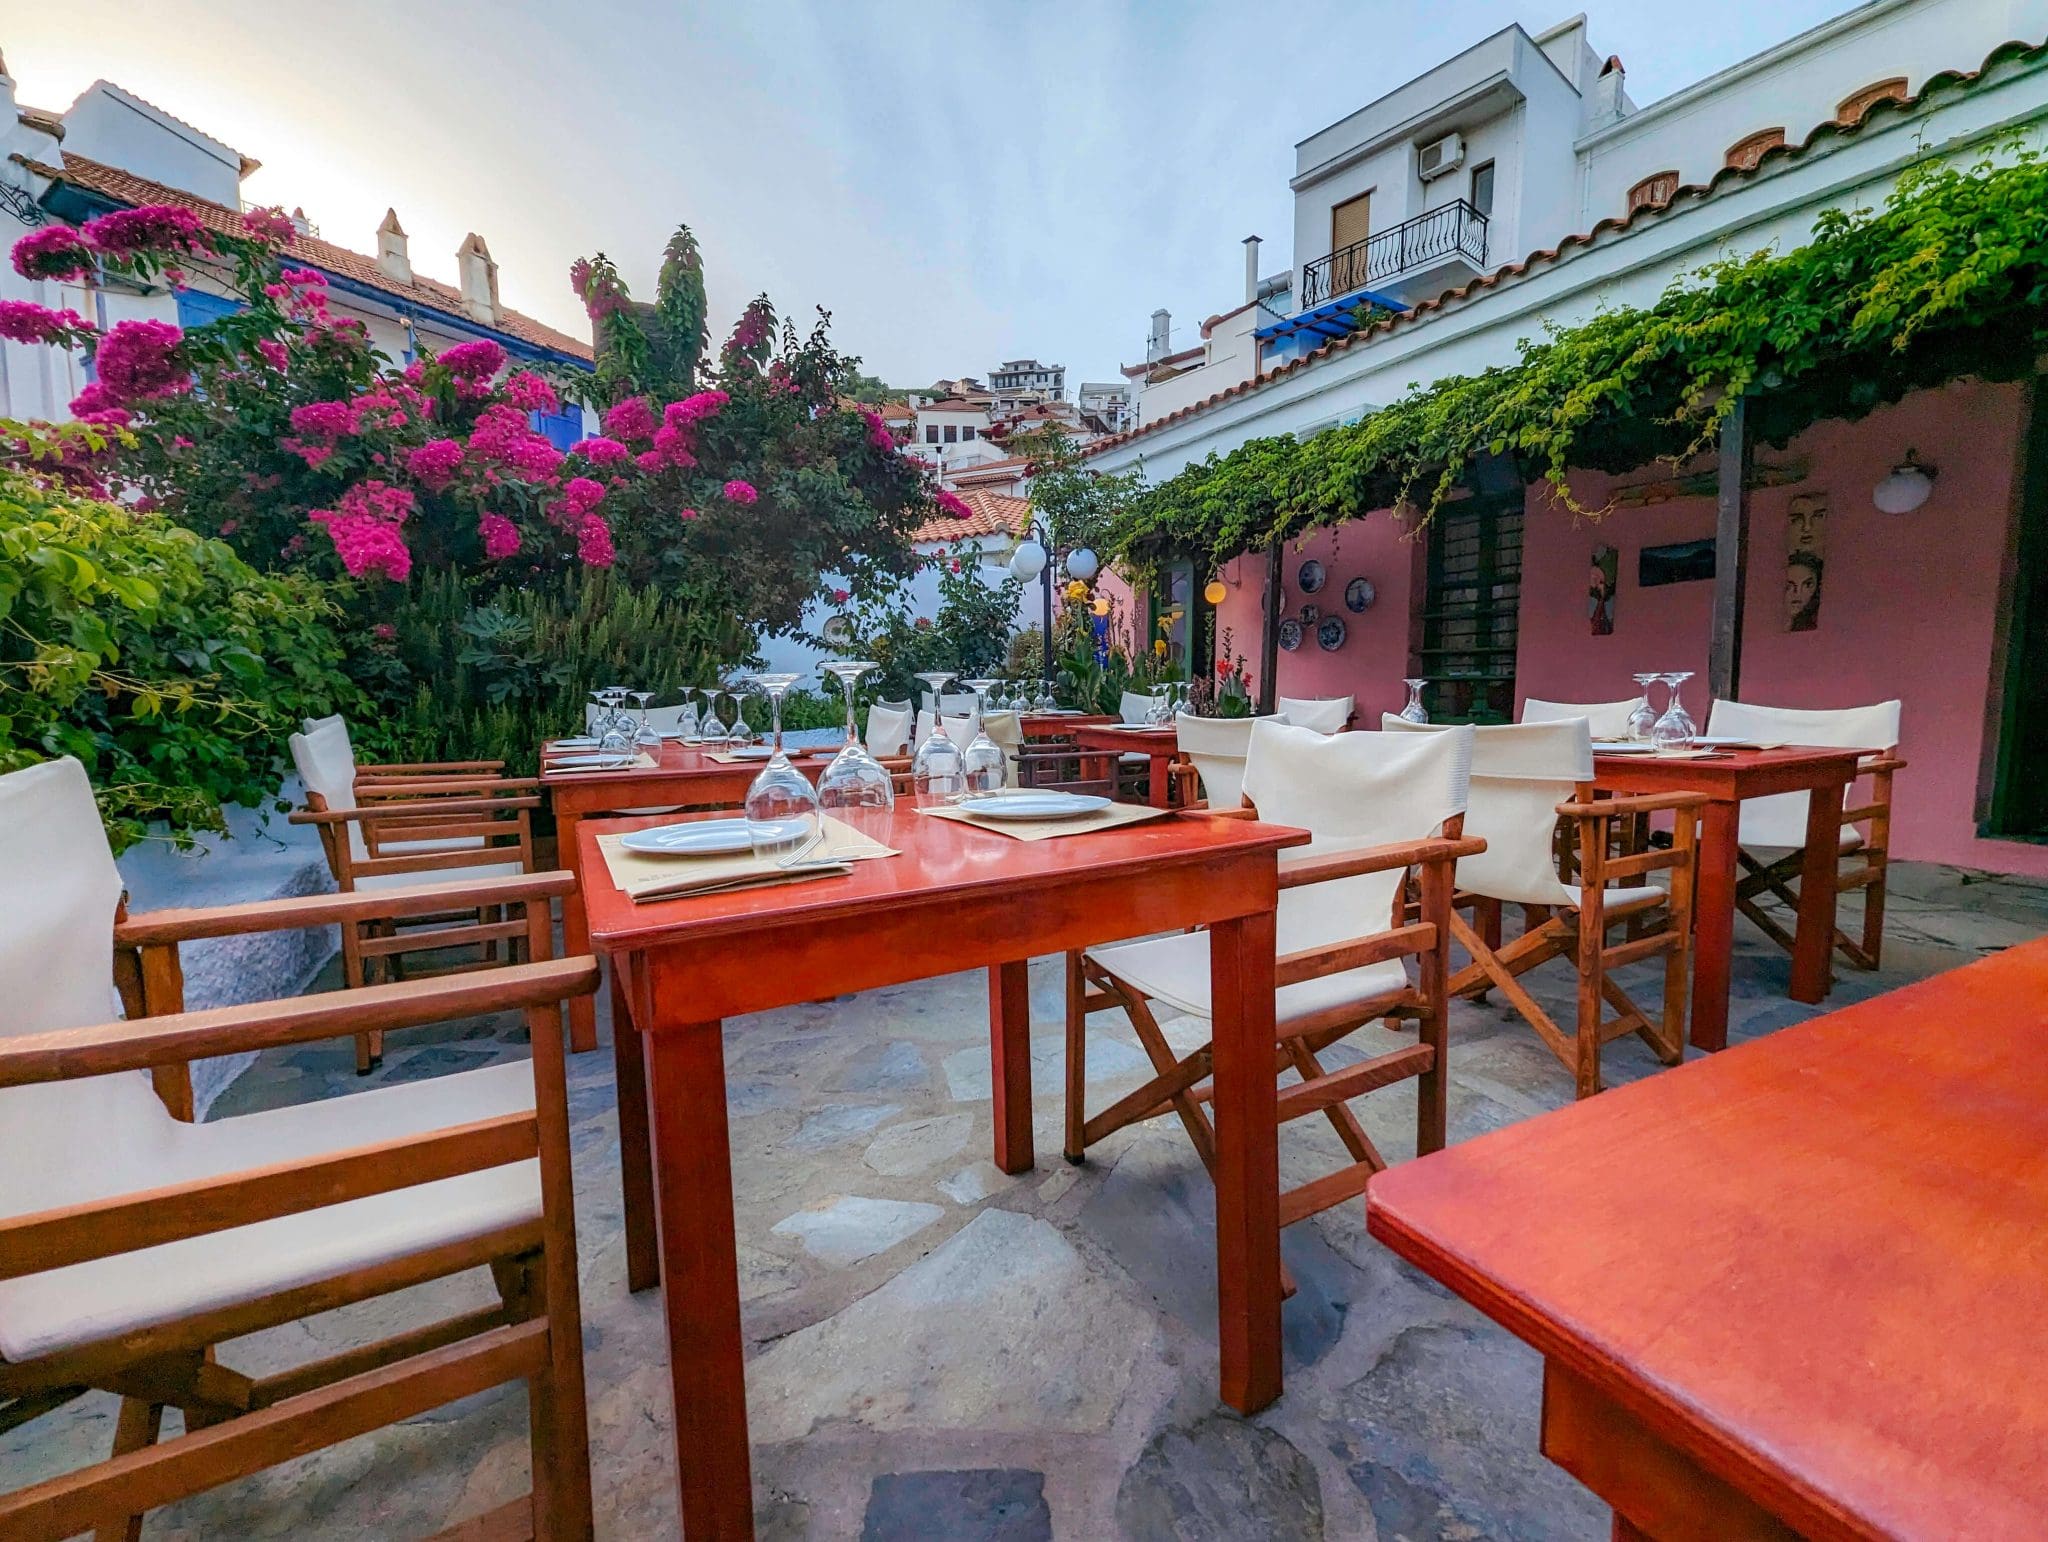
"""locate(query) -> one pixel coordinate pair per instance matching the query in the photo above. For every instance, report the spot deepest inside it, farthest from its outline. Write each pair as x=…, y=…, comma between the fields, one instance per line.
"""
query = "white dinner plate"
x=702, y=838
x=612, y=762
x=1033, y=805
x=1622, y=747
x=751, y=752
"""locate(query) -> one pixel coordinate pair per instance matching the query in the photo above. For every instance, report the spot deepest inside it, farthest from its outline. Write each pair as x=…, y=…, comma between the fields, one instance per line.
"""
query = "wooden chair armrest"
x=431, y=768
x=1338, y=957
x=1377, y=859
x=1634, y=803
x=279, y=915
x=181, y=1036
x=402, y=786
x=1218, y=813
x=1884, y=762
x=411, y=810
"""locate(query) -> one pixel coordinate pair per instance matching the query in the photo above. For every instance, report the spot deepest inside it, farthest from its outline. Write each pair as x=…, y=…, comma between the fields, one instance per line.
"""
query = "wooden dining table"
x=1727, y=778
x=955, y=898
x=1158, y=743
x=1797, y=1289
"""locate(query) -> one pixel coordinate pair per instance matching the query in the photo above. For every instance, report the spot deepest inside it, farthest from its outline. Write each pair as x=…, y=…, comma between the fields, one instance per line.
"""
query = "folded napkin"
x=642, y=877
x=1048, y=829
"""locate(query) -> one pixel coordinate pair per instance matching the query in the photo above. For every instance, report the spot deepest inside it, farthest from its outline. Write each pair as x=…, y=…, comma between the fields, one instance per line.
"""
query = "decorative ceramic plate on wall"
x=1290, y=634
x=1330, y=635
x=1311, y=614
x=1310, y=576
x=1359, y=595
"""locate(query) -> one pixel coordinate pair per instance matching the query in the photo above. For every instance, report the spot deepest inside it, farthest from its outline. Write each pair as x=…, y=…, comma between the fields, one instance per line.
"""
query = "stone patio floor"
x=940, y=1351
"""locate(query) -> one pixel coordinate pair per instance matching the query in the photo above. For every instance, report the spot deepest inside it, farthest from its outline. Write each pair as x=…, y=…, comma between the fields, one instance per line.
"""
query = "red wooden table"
x=1160, y=745
x=683, y=777
x=957, y=898
x=1059, y=725
x=1726, y=779
x=1799, y=1288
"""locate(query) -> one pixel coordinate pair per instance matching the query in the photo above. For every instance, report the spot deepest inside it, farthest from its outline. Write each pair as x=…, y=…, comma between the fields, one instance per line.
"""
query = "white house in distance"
x=1107, y=401
x=1015, y=378
x=111, y=150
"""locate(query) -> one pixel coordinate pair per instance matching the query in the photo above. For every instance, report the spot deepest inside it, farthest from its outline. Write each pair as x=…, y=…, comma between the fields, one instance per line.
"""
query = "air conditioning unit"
x=1440, y=157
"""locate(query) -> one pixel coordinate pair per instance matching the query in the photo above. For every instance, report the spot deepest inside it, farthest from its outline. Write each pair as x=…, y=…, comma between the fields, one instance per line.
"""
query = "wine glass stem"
x=775, y=710
x=852, y=724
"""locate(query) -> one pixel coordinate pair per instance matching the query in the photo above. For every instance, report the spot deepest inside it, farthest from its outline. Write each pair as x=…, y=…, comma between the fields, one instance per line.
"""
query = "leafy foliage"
x=1947, y=278
x=158, y=658
x=970, y=634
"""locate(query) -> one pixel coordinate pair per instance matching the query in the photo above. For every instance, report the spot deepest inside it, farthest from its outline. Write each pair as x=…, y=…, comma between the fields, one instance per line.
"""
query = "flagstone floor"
x=940, y=1351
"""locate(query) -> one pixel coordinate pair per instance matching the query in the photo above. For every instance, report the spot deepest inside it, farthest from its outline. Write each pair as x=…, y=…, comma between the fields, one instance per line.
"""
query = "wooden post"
x=1731, y=556
x=1269, y=640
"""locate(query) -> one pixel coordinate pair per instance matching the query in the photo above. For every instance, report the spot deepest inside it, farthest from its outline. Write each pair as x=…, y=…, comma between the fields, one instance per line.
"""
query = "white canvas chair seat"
x=1623, y=901
x=1325, y=714
x=888, y=731
x=1780, y=820
x=1136, y=707
x=1175, y=970
x=1006, y=728
x=370, y=881
x=1217, y=747
x=85, y=1303
x=1607, y=720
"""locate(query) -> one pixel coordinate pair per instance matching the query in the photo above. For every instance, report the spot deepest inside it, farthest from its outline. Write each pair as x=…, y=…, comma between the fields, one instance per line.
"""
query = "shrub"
x=160, y=659
x=970, y=634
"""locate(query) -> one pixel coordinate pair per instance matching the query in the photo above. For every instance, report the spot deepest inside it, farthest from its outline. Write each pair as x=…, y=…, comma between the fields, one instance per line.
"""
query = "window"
x=952, y=434
x=1852, y=107
x=1482, y=189
x=1747, y=151
x=967, y=432
x=931, y=433
x=562, y=428
x=1350, y=222
x=1471, y=611
x=1653, y=192
x=197, y=309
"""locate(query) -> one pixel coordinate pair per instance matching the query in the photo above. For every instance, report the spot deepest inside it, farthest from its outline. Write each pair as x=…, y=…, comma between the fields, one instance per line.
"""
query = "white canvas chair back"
x=1218, y=746
x=325, y=765
x=1607, y=719
x=888, y=729
x=665, y=720
x=1326, y=715
x=1350, y=791
x=69, y=1141
x=1136, y=707
x=335, y=724
x=961, y=730
x=902, y=706
x=952, y=704
x=1007, y=729
x=1520, y=773
x=1781, y=820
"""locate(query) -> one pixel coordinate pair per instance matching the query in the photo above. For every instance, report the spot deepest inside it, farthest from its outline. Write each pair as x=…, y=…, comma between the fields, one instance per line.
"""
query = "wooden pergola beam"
x=1731, y=554
x=1269, y=639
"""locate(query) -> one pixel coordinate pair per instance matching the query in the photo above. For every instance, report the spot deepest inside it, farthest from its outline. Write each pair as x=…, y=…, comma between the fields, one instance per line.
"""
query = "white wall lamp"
x=1909, y=485
x=1082, y=564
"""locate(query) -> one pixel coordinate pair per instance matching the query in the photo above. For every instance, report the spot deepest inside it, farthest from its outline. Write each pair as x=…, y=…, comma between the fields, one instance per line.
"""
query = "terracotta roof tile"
x=125, y=187
x=1694, y=192
x=994, y=514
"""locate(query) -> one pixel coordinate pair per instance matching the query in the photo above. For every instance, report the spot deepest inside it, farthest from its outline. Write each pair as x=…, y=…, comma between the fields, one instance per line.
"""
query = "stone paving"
x=938, y=1350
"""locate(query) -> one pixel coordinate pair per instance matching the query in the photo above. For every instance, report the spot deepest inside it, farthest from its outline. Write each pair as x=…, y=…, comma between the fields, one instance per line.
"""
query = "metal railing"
x=1452, y=230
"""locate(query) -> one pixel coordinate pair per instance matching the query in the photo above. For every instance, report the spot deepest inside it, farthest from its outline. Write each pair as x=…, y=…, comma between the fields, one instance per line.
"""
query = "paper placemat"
x=640, y=762
x=1049, y=829
x=643, y=877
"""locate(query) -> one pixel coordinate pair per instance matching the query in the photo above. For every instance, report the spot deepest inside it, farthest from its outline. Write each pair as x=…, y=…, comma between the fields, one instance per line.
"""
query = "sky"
x=958, y=184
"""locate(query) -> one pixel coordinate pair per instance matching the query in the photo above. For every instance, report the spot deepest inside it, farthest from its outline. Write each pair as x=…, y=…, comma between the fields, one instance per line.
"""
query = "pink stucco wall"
x=1909, y=606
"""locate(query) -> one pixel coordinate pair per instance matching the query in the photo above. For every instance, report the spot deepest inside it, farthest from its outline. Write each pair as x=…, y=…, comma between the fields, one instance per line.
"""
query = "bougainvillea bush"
x=282, y=430
x=159, y=658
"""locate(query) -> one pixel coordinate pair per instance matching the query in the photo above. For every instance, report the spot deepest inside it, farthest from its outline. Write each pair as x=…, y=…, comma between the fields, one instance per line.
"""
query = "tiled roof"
x=954, y=404
x=1006, y=469
x=994, y=514
x=1694, y=192
x=125, y=187
x=42, y=120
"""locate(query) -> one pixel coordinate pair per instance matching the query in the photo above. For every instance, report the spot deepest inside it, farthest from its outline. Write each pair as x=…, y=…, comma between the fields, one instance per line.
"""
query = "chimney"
x=392, y=256
x=300, y=223
x=1609, y=102
x=1157, y=346
x=479, y=278
x=1251, y=269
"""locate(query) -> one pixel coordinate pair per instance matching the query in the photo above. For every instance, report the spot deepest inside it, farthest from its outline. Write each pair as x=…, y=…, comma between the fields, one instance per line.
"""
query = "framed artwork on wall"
x=1806, y=523
x=1601, y=582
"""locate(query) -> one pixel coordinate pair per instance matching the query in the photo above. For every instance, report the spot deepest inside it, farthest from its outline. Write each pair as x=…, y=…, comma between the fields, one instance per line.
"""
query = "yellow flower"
x=1159, y=647
x=1076, y=590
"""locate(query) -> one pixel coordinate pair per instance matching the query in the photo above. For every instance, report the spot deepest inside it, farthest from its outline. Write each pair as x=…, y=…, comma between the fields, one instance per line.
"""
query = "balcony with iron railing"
x=1414, y=260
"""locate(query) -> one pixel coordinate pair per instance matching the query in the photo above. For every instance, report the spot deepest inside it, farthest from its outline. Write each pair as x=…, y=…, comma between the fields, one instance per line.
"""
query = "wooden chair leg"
x=1592, y=942
x=137, y=1428
x=1873, y=916
x=369, y=1046
x=1077, y=1060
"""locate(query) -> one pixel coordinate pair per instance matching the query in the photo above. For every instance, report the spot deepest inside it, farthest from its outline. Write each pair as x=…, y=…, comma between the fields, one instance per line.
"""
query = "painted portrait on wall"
x=1600, y=585
x=1805, y=538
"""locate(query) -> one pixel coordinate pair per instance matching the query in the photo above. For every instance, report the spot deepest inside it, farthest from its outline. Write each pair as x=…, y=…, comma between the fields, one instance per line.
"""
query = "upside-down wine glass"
x=1675, y=730
x=937, y=770
x=687, y=719
x=1643, y=717
x=739, y=689
x=855, y=782
x=615, y=729
x=783, y=820
x=1415, y=712
x=711, y=729
x=984, y=764
x=644, y=735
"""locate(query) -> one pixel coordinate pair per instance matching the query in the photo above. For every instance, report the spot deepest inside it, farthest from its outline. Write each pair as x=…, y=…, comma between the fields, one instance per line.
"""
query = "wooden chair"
x=337, y=724
x=888, y=730
x=1215, y=748
x=396, y=834
x=1525, y=778
x=1779, y=823
x=1068, y=767
x=131, y=1244
x=1326, y=715
x=1377, y=807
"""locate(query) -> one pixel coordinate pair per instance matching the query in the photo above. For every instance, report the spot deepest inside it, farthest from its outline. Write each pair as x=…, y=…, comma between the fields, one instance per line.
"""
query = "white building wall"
x=109, y=125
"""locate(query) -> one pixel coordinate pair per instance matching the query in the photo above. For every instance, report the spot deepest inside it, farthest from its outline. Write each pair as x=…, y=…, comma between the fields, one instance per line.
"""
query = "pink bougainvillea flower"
x=650, y=460
x=687, y=514
x=474, y=361
x=631, y=420
x=580, y=495
x=139, y=359
x=305, y=278
x=951, y=506
x=94, y=398
x=435, y=462
x=841, y=596
x=599, y=451
x=672, y=445
x=529, y=393
x=695, y=408
x=154, y=227
x=500, y=537
x=55, y=251
x=272, y=226
x=24, y=321
x=740, y=492
x=594, y=542
x=383, y=631
x=328, y=420
x=879, y=434
x=924, y=622
x=274, y=353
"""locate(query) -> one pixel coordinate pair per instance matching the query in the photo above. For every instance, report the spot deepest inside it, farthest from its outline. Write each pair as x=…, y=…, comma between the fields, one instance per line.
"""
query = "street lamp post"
x=1034, y=558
